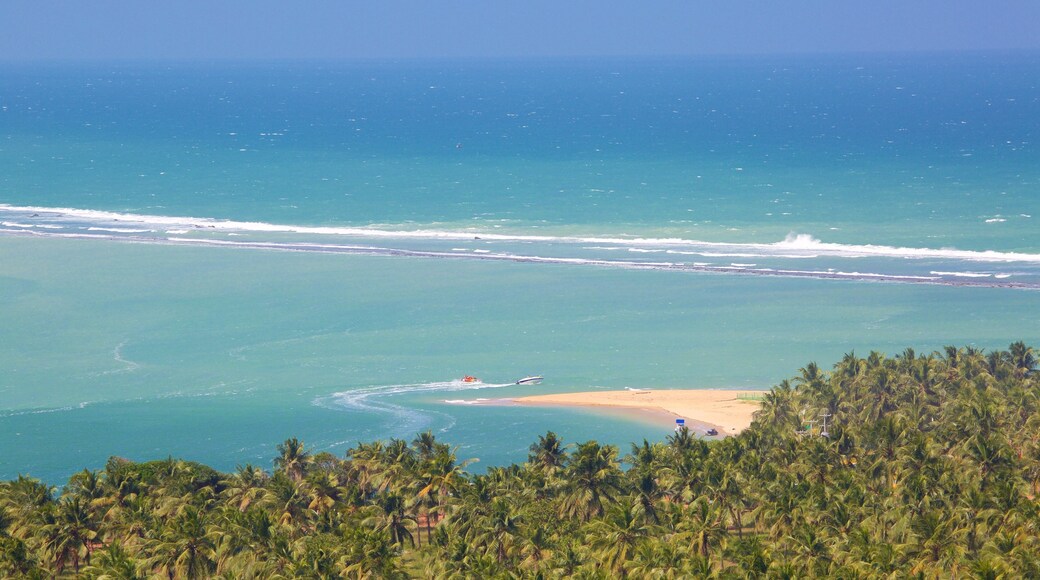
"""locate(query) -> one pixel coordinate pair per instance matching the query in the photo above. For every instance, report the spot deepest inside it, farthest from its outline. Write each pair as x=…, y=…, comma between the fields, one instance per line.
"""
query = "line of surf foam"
x=696, y=267
x=996, y=282
x=21, y=225
x=792, y=246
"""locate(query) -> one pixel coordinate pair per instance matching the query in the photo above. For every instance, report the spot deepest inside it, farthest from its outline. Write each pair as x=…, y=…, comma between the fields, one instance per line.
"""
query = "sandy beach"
x=728, y=411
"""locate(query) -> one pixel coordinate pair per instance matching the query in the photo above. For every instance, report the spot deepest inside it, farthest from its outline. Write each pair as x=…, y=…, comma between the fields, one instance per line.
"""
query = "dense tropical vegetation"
x=930, y=467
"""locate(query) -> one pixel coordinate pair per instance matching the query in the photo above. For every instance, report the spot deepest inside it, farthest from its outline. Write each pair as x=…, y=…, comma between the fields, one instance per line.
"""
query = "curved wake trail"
x=406, y=420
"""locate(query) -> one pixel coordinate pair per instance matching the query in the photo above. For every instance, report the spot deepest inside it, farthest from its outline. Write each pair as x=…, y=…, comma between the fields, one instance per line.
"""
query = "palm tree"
x=655, y=558
x=548, y=455
x=114, y=563
x=812, y=553
x=443, y=476
x=535, y=548
x=778, y=407
x=701, y=525
x=649, y=495
x=388, y=515
x=1022, y=358
x=938, y=539
x=498, y=531
x=394, y=466
x=245, y=486
x=425, y=445
x=24, y=500
x=186, y=547
x=70, y=535
x=592, y=481
x=292, y=459
x=324, y=491
x=17, y=560
x=682, y=440
x=616, y=536
x=568, y=559
x=369, y=554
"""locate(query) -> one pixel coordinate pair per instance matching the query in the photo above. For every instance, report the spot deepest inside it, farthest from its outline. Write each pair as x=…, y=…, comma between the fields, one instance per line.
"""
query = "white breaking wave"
x=964, y=274
x=117, y=230
x=42, y=226
x=533, y=259
x=794, y=245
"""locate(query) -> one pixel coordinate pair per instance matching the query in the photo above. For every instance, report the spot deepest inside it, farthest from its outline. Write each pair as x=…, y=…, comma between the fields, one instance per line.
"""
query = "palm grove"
x=930, y=468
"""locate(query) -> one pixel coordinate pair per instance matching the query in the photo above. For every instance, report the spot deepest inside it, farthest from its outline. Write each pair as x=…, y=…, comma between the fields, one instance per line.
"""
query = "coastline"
x=728, y=411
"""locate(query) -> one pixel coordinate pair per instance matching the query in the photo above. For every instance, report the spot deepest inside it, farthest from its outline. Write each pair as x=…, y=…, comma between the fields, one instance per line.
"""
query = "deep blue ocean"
x=201, y=260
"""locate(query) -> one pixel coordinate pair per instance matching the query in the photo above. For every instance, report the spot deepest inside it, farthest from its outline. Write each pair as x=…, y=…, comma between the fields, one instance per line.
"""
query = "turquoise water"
x=202, y=261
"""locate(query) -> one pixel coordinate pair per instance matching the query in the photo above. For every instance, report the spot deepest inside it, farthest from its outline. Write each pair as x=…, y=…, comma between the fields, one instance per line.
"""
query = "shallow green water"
x=219, y=354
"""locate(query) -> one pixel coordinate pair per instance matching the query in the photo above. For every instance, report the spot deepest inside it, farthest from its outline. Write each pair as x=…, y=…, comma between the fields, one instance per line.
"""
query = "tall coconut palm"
x=388, y=514
x=245, y=486
x=17, y=560
x=701, y=526
x=71, y=534
x=293, y=458
x=369, y=554
x=939, y=540
x=535, y=548
x=592, y=479
x=442, y=475
x=548, y=454
x=656, y=558
x=615, y=537
x=778, y=407
x=186, y=547
x=114, y=563
x=1022, y=358
x=425, y=445
x=288, y=502
x=498, y=530
x=323, y=490
x=24, y=501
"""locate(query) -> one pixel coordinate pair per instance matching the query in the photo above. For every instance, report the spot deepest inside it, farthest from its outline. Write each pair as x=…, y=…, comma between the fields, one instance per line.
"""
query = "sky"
x=40, y=30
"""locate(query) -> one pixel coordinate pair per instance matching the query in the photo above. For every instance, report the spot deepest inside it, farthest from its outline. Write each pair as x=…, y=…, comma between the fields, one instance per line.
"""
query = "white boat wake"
x=406, y=420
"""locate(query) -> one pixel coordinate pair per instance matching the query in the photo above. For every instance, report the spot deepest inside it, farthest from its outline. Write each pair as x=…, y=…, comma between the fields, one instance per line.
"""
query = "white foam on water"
x=405, y=420
x=476, y=401
x=30, y=226
x=963, y=274
x=117, y=230
x=44, y=411
x=793, y=244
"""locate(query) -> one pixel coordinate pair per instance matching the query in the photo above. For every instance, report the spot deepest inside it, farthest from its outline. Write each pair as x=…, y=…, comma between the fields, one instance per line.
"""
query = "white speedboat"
x=532, y=380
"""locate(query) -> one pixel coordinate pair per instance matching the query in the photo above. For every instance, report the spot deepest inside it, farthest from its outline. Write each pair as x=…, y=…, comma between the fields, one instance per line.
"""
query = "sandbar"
x=729, y=411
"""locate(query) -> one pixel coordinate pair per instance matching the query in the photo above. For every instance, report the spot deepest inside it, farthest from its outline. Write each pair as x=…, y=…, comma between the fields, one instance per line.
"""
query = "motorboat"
x=531, y=380
x=470, y=379
x=711, y=432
